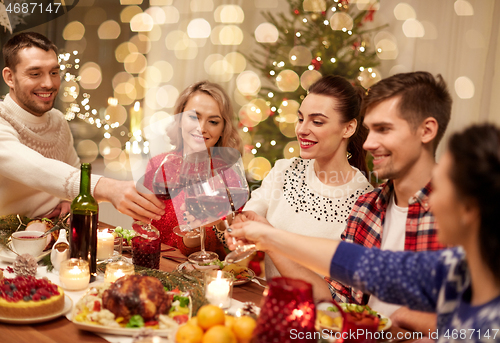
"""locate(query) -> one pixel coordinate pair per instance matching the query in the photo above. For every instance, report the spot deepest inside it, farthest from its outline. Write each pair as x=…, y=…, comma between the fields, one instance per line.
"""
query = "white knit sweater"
x=38, y=163
x=292, y=198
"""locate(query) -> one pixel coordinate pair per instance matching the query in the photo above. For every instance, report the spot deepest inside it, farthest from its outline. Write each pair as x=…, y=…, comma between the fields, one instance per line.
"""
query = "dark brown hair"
x=348, y=105
x=22, y=41
x=476, y=176
x=421, y=96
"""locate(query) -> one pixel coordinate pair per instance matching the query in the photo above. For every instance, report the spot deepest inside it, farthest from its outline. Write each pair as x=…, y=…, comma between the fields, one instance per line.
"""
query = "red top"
x=169, y=220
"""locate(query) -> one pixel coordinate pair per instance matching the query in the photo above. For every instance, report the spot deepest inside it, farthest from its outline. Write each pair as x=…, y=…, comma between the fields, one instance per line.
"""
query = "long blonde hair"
x=230, y=137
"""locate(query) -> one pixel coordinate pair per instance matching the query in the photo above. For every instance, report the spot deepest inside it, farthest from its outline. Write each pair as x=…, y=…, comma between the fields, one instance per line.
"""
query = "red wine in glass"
x=164, y=192
x=194, y=208
x=216, y=206
x=239, y=196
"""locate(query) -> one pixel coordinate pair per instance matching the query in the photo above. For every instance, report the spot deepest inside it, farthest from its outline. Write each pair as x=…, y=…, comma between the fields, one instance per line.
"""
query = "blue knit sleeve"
x=405, y=278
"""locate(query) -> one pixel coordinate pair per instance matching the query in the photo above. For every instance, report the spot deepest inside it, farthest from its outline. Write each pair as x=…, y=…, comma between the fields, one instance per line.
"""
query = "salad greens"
x=218, y=263
x=183, y=301
x=126, y=234
x=136, y=321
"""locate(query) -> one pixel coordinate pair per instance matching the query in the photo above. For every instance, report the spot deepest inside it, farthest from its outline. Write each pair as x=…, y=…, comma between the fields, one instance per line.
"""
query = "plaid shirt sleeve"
x=364, y=227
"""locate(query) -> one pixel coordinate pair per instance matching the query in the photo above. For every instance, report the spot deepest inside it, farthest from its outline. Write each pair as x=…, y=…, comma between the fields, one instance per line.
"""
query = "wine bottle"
x=83, y=234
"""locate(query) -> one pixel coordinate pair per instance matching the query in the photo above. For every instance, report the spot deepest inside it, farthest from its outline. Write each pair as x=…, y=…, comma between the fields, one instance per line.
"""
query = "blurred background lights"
x=314, y=6
x=117, y=114
x=366, y=5
x=387, y=49
x=199, y=28
x=160, y=2
x=177, y=40
x=464, y=87
x=300, y=56
x=95, y=16
x=227, y=35
x=201, y=6
x=266, y=3
x=404, y=11
x=291, y=150
x=130, y=2
x=166, y=96
x=229, y=14
x=308, y=78
x=121, y=77
x=189, y=51
x=171, y=14
x=210, y=60
x=249, y=115
x=429, y=29
x=248, y=83
x=87, y=150
x=123, y=50
x=266, y=33
x=463, y=8
x=128, y=13
x=157, y=14
x=141, y=22
x=258, y=168
x=142, y=43
x=287, y=81
x=368, y=77
x=341, y=21
x=135, y=63
x=237, y=61
x=155, y=33
x=74, y=31
x=90, y=75
x=110, y=29
x=166, y=70
x=412, y=28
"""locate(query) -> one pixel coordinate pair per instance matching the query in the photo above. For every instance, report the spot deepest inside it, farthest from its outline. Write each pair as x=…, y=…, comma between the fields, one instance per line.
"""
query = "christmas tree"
x=316, y=38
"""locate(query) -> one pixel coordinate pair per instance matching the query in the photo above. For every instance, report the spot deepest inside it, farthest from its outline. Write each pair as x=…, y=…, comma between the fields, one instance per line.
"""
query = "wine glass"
x=200, y=192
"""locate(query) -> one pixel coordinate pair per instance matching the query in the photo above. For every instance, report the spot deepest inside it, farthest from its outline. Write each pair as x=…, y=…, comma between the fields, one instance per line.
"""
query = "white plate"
x=68, y=304
x=8, y=256
x=120, y=330
x=323, y=307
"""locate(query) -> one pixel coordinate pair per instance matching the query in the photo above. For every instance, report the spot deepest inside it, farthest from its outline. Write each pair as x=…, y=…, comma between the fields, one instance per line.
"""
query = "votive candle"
x=116, y=270
x=74, y=274
x=218, y=288
x=105, y=244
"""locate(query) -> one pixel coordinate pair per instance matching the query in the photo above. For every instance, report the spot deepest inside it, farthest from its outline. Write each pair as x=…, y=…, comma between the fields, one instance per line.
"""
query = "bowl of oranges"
x=212, y=325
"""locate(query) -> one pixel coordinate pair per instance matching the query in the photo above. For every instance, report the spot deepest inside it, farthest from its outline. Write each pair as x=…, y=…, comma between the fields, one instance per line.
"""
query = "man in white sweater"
x=39, y=167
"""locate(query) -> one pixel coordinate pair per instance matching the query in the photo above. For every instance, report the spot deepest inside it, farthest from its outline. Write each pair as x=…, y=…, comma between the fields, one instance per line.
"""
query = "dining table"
x=62, y=330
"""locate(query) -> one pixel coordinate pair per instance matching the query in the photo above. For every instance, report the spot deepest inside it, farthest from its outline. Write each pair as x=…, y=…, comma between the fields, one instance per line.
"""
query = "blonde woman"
x=205, y=119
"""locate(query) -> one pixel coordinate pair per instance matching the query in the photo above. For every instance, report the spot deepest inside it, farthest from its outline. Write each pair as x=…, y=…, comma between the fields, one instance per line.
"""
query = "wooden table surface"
x=61, y=330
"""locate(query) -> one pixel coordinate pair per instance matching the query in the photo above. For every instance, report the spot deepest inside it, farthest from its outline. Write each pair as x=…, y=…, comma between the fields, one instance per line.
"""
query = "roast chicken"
x=136, y=294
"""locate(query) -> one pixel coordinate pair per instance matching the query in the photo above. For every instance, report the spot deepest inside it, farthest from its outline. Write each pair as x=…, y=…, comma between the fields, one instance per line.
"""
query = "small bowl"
x=28, y=242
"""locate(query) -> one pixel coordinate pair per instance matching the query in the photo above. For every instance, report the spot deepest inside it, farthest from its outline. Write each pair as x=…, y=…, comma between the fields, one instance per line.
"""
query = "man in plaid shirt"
x=406, y=115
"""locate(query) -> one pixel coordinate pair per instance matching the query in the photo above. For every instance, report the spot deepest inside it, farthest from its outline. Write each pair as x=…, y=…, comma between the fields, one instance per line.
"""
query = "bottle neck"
x=86, y=170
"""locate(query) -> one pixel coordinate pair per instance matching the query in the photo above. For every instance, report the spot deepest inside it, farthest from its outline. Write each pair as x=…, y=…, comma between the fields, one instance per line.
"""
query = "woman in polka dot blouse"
x=461, y=284
x=313, y=195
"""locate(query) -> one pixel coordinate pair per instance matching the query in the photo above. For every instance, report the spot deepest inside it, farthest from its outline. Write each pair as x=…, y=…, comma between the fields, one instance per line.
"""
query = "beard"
x=34, y=106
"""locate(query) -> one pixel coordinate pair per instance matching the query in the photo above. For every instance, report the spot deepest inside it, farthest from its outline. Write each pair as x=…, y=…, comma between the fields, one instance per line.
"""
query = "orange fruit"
x=243, y=328
x=229, y=321
x=188, y=333
x=210, y=315
x=193, y=321
x=219, y=334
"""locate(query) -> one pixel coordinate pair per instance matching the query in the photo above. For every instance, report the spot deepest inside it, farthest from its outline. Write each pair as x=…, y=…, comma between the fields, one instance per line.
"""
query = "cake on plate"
x=29, y=297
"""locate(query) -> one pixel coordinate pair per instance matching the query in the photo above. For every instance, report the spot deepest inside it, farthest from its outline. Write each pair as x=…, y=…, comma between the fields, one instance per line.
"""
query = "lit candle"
x=218, y=289
x=116, y=270
x=74, y=274
x=105, y=244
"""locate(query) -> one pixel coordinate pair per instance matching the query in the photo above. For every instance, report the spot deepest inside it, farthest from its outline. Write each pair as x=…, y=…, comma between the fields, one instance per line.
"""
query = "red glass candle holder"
x=288, y=313
x=146, y=246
